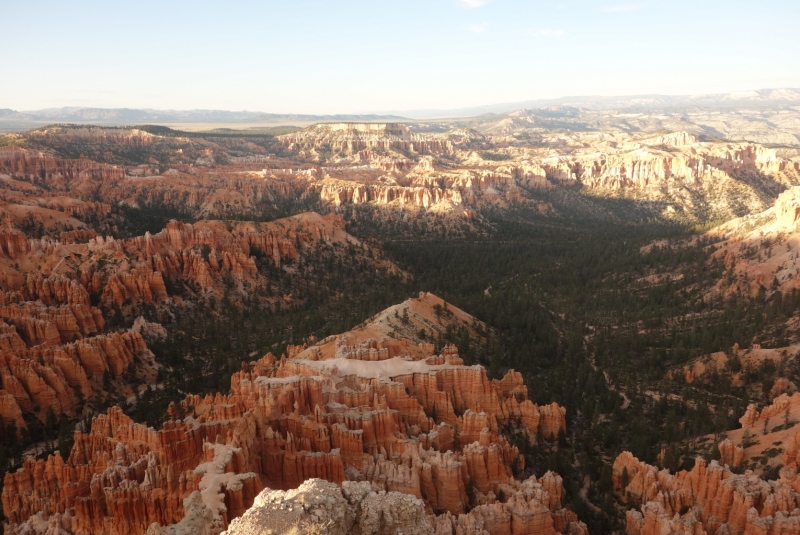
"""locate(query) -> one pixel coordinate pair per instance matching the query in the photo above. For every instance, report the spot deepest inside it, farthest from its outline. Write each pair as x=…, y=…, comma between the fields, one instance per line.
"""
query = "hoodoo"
x=389, y=421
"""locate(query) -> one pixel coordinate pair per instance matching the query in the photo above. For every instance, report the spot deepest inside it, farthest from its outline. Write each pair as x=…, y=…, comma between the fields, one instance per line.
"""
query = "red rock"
x=54, y=289
x=13, y=244
x=531, y=507
x=711, y=496
x=9, y=338
x=730, y=453
x=51, y=325
x=10, y=411
x=428, y=426
x=56, y=173
x=77, y=236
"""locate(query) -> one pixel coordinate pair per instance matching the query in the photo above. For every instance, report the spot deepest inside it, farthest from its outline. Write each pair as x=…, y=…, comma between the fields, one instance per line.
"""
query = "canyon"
x=211, y=332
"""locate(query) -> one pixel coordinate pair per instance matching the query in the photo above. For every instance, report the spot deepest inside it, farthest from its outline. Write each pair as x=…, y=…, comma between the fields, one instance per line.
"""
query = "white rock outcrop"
x=321, y=507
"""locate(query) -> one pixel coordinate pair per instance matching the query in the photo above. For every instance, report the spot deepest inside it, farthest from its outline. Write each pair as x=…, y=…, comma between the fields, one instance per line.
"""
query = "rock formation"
x=57, y=377
x=759, y=251
x=667, y=171
x=202, y=253
x=349, y=138
x=674, y=169
x=185, y=188
x=708, y=499
x=53, y=347
x=453, y=171
x=395, y=425
x=318, y=506
x=533, y=507
x=56, y=173
x=121, y=477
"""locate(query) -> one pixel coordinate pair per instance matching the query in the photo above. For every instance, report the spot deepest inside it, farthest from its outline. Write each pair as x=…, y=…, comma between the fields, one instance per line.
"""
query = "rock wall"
x=354, y=193
x=80, y=175
x=198, y=191
x=53, y=352
x=637, y=165
x=389, y=164
x=533, y=506
x=202, y=253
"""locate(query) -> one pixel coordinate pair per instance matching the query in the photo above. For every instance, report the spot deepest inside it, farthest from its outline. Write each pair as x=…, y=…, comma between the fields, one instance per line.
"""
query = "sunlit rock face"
x=759, y=251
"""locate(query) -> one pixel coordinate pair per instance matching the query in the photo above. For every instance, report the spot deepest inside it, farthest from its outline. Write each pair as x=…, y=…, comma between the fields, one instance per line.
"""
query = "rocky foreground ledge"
x=355, y=508
x=318, y=506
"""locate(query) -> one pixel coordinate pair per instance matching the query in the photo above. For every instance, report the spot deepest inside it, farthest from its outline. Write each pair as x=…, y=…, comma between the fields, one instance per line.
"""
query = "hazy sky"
x=336, y=56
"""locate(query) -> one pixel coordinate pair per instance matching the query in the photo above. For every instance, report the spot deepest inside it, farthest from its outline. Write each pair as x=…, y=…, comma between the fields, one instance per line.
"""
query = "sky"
x=332, y=56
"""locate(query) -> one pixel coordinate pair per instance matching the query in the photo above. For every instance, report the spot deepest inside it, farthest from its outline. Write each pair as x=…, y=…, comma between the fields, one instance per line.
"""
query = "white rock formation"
x=321, y=507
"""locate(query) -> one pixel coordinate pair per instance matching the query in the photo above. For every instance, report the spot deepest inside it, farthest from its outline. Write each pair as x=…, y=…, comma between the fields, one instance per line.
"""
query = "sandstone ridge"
x=386, y=414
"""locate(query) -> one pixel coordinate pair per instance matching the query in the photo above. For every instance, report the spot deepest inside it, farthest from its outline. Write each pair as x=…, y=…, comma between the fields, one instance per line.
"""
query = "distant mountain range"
x=759, y=98
x=764, y=98
x=11, y=119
